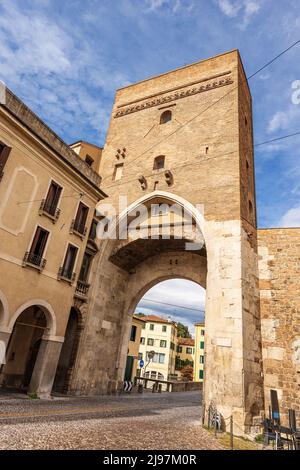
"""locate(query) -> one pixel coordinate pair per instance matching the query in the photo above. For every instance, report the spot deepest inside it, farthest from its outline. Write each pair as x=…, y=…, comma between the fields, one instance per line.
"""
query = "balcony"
x=78, y=229
x=49, y=210
x=66, y=275
x=33, y=260
x=82, y=289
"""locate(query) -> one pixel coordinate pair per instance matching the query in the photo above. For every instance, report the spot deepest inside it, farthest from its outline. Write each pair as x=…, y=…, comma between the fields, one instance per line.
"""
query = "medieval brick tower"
x=183, y=137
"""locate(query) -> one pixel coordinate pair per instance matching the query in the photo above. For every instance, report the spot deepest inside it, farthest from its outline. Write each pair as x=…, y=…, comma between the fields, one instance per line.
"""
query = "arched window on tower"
x=165, y=117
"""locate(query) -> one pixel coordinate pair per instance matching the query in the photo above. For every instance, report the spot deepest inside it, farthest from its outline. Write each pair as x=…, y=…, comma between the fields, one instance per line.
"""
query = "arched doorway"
x=68, y=352
x=23, y=348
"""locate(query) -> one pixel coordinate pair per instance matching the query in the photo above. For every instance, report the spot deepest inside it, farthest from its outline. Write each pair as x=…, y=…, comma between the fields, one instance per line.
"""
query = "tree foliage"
x=183, y=331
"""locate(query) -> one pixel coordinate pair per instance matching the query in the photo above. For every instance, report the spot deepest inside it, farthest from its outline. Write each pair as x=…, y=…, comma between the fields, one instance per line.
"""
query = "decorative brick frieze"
x=175, y=96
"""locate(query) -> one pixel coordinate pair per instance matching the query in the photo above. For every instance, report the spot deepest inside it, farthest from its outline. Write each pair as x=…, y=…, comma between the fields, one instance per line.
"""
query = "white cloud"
x=291, y=218
x=174, y=5
x=280, y=120
x=229, y=8
x=285, y=120
x=54, y=70
x=176, y=292
x=243, y=9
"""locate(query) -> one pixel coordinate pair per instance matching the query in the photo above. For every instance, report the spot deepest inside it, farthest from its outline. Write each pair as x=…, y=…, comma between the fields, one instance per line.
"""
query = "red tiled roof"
x=155, y=318
x=186, y=341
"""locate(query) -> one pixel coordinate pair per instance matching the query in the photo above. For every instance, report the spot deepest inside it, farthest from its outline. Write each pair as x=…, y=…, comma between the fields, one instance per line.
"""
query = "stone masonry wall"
x=279, y=266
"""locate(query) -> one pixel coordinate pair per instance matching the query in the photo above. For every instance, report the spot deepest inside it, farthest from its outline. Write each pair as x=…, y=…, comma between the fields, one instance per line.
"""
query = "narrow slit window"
x=118, y=173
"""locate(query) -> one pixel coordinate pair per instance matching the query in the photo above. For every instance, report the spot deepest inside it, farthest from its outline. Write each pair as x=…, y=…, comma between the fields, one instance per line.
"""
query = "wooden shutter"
x=4, y=154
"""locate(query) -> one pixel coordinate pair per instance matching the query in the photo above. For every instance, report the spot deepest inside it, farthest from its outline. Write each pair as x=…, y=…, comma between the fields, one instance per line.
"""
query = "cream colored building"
x=48, y=195
x=159, y=335
x=185, y=354
x=199, y=352
x=132, y=363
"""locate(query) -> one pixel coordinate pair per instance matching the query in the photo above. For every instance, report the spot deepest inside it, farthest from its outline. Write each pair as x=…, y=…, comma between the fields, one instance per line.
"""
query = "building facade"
x=159, y=335
x=185, y=355
x=48, y=196
x=199, y=352
x=133, y=354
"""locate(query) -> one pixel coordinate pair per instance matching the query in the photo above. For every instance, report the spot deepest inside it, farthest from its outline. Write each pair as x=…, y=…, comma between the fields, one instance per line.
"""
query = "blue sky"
x=65, y=60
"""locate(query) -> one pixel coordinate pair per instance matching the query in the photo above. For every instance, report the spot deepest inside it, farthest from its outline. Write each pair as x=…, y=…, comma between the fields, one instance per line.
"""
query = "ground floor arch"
x=31, y=349
x=23, y=348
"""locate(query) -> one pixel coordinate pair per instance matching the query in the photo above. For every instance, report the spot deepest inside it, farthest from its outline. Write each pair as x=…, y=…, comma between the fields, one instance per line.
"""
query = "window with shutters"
x=66, y=271
x=4, y=154
x=34, y=257
x=49, y=205
x=78, y=225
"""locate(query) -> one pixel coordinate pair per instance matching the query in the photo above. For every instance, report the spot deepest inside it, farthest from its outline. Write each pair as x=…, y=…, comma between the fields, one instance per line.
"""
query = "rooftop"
x=14, y=106
x=157, y=319
x=185, y=341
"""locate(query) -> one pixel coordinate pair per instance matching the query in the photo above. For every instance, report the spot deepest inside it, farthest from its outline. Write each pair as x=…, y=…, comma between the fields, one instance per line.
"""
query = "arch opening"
x=23, y=348
x=166, y=338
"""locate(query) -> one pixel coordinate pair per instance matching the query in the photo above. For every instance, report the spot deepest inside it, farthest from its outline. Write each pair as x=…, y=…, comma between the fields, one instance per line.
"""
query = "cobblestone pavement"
x=164, y=421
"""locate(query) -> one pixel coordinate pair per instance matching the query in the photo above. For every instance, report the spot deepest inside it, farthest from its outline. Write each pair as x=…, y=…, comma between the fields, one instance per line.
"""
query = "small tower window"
x=118, y=172
x=165, y=117
x=159, y=162
x=89, y=160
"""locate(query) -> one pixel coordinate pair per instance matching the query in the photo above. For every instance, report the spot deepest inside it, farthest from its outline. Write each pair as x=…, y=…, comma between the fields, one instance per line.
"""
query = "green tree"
x=183, y=331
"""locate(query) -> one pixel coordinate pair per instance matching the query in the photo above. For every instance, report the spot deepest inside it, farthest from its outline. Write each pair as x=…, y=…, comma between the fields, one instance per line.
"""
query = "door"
x=129, y=367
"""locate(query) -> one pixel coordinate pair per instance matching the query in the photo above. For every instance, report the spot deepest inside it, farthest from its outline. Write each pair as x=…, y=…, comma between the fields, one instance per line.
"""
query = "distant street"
x=166, y=421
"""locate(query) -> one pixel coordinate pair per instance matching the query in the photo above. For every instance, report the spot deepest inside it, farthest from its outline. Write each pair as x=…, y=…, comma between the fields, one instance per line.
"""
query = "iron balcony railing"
x=31, y=259
x=82, y=288
x=78, y=228
x=66, y=274
x=49, y=209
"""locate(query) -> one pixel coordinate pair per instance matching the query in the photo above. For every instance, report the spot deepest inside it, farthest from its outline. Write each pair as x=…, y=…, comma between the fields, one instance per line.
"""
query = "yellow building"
x=48, y=195
x=185, y=354
x=159, y=335
x=199, y=352
x=132, y=363
x=90, y=153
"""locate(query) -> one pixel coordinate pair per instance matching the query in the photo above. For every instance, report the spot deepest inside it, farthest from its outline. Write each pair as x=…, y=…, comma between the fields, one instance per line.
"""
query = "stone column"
x=4, y=339
x=45, y=367
x=230, y=330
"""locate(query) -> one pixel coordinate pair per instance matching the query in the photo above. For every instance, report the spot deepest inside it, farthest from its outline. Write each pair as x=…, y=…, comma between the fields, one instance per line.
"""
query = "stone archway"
x=23, y=348
x=32, y=349
x=126, y=267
